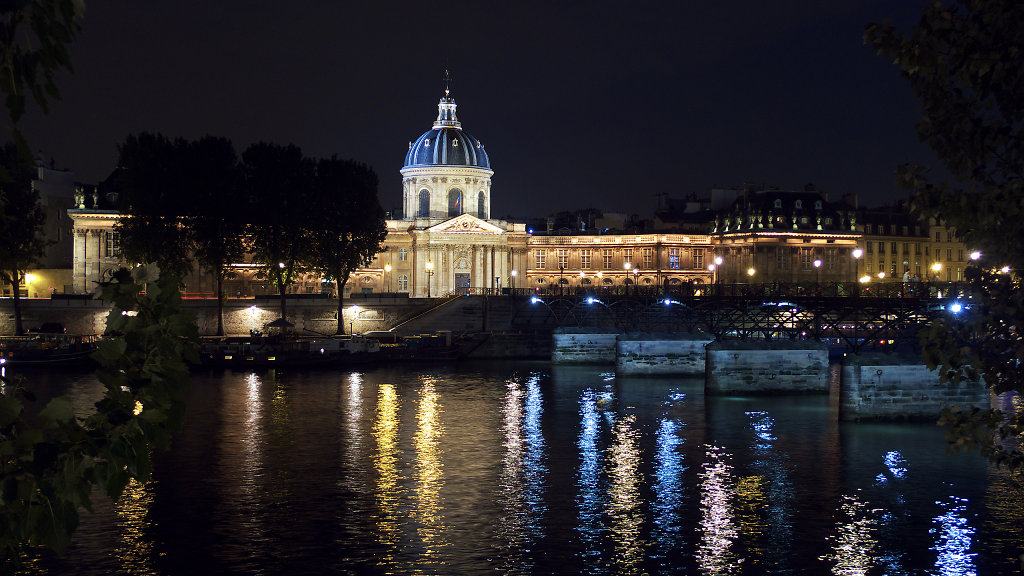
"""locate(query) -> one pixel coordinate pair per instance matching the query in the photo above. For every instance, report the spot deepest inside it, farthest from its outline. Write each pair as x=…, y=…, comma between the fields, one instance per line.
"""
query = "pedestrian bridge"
x=874, y=316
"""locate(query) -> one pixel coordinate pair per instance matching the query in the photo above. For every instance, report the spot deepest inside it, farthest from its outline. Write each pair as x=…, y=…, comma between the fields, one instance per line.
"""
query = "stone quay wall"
x=583, y=346
x=880, y=386
x=766, y=366
x=661, y=354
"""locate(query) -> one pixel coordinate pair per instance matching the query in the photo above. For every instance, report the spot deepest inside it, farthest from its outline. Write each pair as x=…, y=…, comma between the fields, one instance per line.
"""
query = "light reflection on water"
x=491, y=470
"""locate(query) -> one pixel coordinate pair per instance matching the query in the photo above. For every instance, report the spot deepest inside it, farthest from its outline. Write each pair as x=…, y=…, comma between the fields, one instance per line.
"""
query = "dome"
x=447, y=144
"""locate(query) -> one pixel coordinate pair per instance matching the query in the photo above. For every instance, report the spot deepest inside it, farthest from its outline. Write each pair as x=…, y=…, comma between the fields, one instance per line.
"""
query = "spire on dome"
x=446, y=117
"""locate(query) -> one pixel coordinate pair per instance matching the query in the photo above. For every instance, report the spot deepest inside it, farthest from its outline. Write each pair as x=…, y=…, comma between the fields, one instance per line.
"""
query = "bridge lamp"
x=955, y=307
x=1005, y=269
x=534, y=300
x=592, y=300
x=865, y=279
x=627, y=266
x=718, y=260
x=881, y=275
x=975, y=255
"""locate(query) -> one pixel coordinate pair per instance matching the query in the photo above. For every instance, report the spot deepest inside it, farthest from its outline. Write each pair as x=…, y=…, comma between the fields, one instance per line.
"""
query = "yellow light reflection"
x=853, y=546
x=718, y=527
x=385, y=462
x=134, y=548
x=515, y=512
x=624, y=500
x=426, y=442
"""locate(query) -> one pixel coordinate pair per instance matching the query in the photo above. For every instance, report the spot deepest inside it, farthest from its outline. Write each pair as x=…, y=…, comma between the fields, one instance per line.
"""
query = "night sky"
x=579, y=104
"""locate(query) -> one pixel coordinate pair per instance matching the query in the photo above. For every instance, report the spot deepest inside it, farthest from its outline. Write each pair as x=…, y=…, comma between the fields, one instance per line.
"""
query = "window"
x=881, y=266
x=606, y=257
x=481, y=205
x=454, y=202
x=113, y=244
x=906, y=248
x=403, y=254
x=563, y=258
x=867, y=228
x=799, y=204
x=538, y=257
x=778, y=203
x=881, y=247
x=780, y=257
x=894, y=251
x=830, y=259
x=806, y=258
x=424, y=209
x=698, y=258
x=673, y=258
x=917, y=248
x=869, y=245
x=403, y=283
x=949, y=254
x=938, y=236
x=585, y=258
x=817, y=204
x=905, y=231
x=892, y=229
x=960, y=255
x=627, y=256
x=648, y=254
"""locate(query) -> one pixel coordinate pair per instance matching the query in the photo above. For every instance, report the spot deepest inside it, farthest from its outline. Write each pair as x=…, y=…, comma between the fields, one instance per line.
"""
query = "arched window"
x=424, y=210
x=481, y=206
x=778, y=202
x=454, y=202
x=403, y=283
x=799, y=204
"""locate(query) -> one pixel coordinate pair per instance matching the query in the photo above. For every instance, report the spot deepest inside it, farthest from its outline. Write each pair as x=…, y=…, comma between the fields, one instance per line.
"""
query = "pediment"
x=465, y=224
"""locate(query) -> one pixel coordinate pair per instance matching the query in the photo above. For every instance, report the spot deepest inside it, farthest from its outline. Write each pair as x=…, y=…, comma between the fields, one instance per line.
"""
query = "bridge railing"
x=769, y=290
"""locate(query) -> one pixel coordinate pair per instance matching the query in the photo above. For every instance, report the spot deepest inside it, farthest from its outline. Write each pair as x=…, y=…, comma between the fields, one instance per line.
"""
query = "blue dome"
x=447, y=144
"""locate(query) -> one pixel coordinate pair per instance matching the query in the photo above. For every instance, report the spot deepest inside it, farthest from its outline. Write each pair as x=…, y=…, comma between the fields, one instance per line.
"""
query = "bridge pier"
x=879, y=386
x=661, y=354
x=586, y=345
x=766, y=366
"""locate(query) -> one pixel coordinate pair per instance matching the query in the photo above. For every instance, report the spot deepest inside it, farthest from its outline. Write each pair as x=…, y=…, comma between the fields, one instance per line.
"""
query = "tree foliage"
x=21, y=222
x=50, y=460
x=279, y=182
x=347, y=223
x=964, y=61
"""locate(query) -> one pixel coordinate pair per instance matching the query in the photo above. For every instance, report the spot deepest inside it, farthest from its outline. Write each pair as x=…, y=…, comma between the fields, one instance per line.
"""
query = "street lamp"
x=387, y=272
x=751, y=271
x=937, y=267
x=817, y=271
x=352, y=319
x=513, y=282
x=430, y=274
x=975, y=255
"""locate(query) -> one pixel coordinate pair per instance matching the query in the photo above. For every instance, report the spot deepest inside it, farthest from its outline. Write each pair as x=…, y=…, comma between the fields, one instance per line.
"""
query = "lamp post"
x=513, y=281
x=718, y=273
x=817, y=271
x=430, y=274
x=387, y=272
x=561, y=271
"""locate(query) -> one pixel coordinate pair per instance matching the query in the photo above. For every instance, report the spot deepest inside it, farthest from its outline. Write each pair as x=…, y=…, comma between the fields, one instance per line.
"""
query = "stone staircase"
x=478, y=314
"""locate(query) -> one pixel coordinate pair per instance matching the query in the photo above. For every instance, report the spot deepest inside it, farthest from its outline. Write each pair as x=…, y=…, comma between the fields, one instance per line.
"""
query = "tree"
x=215, y=216
x=964, y=61
x=22, y=219
x=348, y=223
x=50, y=460
x=278, y=181
x=154, y=192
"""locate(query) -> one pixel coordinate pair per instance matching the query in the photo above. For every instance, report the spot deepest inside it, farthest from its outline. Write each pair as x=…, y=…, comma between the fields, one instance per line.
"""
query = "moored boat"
x=47, y=350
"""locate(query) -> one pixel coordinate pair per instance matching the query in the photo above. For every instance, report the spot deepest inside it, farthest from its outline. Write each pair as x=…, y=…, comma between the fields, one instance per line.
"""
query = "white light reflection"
x=522, y=477
x=953, y=539
x=668, y=487
x=718, y=527
x=624, y=499
x=767, y=496
x=589, y=499
x=853, y=547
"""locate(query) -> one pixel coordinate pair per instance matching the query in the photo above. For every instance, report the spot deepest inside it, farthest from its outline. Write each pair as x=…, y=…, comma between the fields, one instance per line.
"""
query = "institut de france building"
x=446, y=241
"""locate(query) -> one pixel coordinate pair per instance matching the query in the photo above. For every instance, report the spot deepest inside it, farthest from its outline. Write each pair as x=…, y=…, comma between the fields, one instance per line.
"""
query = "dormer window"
x=798, y=204
x=778, y=202
x=426, y=143
x=455, y=143
x=817, y=205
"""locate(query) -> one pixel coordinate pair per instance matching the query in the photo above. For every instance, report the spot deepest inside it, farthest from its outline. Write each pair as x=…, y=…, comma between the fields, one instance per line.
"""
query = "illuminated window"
x=563, y=258
x=424, y=209
x=606, y=257
x=538, y=257
x=585, y=258
x=403, y=254
x=698, y=258
x=648, y=254
x=403, y=283
x=673, y=258
x=113, y=244
x=806, y=258
x=627, y=256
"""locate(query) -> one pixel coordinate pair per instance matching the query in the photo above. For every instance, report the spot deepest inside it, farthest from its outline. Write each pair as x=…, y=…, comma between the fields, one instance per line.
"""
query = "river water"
x=539, y=469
